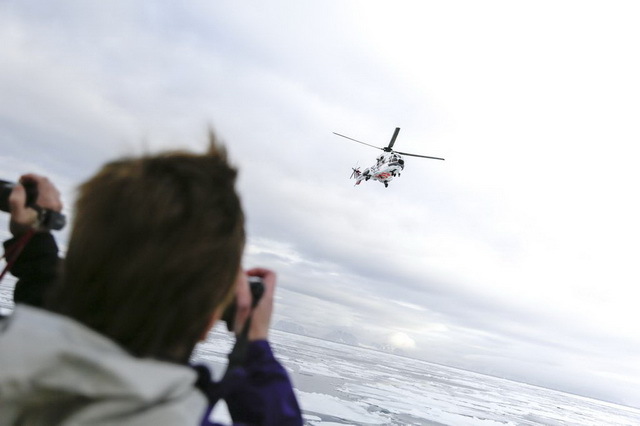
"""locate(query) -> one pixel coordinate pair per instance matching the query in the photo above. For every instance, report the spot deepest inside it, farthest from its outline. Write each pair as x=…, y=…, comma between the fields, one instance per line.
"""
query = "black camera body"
x=49, y=219
x=257, y=290
x=5, y=191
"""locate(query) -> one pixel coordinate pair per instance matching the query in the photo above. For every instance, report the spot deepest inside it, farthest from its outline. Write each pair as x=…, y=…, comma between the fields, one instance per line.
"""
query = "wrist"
x=258, y=333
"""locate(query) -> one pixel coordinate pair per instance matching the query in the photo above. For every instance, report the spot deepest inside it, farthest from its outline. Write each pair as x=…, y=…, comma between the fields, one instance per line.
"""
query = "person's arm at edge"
x=37, y=266
x=263, y=393
x=266, y=396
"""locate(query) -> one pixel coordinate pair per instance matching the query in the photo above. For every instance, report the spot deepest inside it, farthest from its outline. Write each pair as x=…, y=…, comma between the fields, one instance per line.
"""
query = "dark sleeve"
x=36, y=268
x=265, y=396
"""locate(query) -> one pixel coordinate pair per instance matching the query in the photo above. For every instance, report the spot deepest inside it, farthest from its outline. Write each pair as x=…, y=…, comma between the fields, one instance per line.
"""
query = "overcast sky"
x=517, y=256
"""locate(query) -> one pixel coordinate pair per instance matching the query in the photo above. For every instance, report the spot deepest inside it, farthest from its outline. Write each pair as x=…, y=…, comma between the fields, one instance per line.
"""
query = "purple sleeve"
x=262, y=393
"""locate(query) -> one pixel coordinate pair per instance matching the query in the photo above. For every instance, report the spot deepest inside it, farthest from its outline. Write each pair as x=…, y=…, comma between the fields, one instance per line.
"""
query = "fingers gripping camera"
x=47, y=219
x=257, y=290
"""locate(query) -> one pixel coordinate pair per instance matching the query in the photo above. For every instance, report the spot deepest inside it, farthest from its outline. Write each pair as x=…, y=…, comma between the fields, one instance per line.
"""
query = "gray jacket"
x=54, y=370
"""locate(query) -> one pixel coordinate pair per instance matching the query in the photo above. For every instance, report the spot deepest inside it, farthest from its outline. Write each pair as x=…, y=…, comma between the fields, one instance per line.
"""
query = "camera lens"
x=5, y=191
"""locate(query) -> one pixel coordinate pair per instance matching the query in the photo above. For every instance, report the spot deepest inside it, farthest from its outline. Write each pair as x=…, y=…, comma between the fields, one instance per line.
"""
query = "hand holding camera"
x=34, y=203
x=256, y=289
x=261, y=317
x=249, y=315
x=254, y=298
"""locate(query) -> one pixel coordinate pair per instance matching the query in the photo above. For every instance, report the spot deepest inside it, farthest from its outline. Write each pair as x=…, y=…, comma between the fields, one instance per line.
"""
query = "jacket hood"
x=55, y=370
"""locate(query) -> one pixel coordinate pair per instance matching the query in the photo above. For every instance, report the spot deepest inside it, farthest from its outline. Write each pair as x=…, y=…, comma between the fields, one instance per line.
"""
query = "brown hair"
x=155, y=248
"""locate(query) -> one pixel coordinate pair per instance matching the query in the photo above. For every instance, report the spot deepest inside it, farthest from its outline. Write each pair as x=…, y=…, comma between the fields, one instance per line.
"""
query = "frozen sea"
x=344, y=385
x=338, y=384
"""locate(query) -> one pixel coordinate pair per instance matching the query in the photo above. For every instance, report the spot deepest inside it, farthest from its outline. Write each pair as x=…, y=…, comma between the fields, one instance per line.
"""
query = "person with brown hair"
x=154, y=258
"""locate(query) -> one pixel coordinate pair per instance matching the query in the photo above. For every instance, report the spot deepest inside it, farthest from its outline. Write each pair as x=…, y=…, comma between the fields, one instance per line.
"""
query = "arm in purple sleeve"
x=261, y=392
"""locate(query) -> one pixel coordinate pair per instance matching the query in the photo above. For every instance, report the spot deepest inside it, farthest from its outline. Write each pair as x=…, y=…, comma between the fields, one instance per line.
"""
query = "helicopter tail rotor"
x=355, y=173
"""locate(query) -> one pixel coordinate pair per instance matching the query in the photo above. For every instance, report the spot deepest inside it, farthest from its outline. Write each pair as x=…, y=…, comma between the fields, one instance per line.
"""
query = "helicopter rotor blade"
x=355, y=140
x=421, y=156
x=393, y=139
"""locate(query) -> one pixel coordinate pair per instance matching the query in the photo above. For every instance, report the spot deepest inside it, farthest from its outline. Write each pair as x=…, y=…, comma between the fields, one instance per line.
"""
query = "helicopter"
x=388, y=165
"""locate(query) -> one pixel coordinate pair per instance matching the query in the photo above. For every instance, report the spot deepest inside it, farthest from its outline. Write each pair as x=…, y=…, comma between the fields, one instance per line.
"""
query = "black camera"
x=257, y=290
x=5, y=191
x=49, y=219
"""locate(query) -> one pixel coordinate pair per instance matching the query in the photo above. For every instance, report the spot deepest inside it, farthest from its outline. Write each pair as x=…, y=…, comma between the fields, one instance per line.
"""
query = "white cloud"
x=402, y=340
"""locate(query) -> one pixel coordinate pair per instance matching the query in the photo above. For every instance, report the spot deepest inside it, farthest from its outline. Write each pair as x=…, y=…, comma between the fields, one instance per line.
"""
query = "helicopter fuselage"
x=388, y=166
